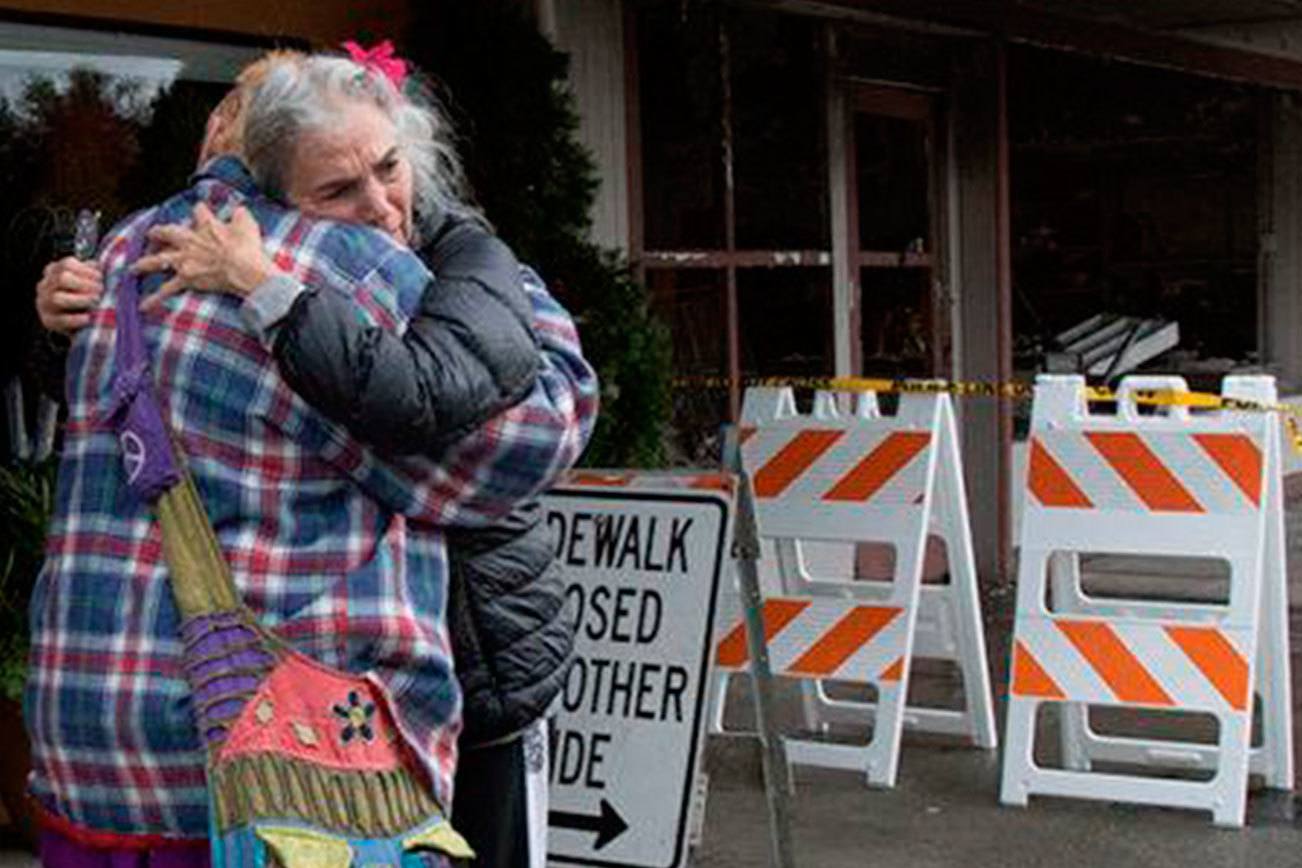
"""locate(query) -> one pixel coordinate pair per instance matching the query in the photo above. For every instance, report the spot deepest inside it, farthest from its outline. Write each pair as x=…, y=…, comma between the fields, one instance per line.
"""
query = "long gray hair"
x=302, y=97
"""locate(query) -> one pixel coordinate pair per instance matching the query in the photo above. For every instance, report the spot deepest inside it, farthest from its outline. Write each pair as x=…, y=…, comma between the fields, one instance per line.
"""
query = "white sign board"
x=641, y=569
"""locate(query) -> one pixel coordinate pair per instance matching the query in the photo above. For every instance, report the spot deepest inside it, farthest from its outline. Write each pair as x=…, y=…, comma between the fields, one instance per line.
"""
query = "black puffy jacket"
x=468, y=353
x=469, y=350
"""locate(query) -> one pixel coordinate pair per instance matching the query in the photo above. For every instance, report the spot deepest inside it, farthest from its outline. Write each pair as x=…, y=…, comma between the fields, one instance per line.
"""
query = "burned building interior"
x=1135, y=203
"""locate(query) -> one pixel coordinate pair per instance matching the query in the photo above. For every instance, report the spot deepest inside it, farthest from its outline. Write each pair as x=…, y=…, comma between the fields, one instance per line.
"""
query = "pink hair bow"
x=379, y=59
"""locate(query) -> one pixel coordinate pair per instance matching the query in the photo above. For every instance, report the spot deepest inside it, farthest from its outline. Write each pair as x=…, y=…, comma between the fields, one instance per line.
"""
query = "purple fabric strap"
x=147, y=455
x=60, y=852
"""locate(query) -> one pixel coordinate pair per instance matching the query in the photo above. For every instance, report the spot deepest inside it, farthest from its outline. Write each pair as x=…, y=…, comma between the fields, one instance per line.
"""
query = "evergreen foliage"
x=505, y=87
x=26, y=501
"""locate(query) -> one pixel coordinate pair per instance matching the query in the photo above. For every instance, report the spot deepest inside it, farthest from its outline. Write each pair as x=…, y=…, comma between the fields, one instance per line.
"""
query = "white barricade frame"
x=905, y=484
x=1116, y=492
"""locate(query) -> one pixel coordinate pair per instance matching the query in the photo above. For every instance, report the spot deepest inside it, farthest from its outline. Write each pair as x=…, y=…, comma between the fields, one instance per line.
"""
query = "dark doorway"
x=893, y=232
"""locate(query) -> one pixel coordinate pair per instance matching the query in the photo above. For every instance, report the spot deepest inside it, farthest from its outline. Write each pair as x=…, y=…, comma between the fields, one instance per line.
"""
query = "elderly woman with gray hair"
x=336, y=140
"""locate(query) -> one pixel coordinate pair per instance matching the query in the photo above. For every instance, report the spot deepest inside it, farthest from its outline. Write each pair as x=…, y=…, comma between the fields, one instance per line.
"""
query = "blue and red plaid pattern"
x=336, y=548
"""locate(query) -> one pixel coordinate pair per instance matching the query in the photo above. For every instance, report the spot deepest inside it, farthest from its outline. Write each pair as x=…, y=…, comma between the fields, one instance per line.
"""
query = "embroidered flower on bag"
x=358, y=716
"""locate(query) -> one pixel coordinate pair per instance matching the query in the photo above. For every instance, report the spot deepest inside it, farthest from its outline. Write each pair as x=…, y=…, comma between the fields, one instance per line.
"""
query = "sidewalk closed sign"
x=641, y=567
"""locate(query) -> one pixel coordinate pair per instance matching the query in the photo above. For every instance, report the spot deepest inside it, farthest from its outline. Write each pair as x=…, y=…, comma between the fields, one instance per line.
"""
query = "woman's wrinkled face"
x=354, y=171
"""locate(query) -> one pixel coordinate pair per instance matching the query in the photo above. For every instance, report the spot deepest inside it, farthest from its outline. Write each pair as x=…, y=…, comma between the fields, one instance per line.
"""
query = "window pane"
x=682, y=161
x=779, y=132
x=693, y=302
x=90, y=120
x=786, y=321
x=891, y=161
x=895, y=322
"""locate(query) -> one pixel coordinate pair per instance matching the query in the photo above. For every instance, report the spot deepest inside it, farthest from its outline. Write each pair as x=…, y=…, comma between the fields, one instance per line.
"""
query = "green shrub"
x=505, y=86
x=26, y=500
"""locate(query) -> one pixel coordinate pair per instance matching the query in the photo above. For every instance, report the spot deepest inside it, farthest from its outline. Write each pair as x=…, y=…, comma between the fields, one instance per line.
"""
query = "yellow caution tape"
x=1012, y=390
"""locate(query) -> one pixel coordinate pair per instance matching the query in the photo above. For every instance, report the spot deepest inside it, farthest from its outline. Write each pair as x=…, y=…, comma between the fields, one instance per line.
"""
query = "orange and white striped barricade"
x=1272, y=759
x=941, y=631
x=863, y=478
x=1204, y=484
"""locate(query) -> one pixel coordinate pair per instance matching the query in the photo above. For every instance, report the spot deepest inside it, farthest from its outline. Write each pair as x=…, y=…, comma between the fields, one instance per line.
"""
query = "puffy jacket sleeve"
x=469, y=351
x=512, y=456
x=521, y=451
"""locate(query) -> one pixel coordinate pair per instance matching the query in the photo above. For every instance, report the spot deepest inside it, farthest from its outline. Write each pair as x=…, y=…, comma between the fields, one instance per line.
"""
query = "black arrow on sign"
x=608, y=825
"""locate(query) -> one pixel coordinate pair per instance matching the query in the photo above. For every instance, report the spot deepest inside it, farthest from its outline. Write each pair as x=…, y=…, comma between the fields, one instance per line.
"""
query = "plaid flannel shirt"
x=338, y=549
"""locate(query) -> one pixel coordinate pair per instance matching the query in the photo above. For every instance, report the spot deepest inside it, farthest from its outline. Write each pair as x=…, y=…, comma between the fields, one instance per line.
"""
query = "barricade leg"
x=717, y=702
x=1275, y=684
x=1019, y=723
x=963, y=590
x=791, y=569
x=1229, y=805
x=1274, y=759
x=892, y=692
x=1019, y=747
x=1074, y=734
x=729, y=608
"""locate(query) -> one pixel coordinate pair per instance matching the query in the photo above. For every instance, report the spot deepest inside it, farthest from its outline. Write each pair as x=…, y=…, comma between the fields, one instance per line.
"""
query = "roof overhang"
x=1203, y=37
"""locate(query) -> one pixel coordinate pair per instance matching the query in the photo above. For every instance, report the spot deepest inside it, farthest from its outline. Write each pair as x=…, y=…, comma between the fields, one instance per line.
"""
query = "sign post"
x=642, y=567
x=773, y=755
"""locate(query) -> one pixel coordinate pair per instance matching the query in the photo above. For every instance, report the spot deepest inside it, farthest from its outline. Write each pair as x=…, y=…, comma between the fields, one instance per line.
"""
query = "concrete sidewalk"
x=944, y=810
